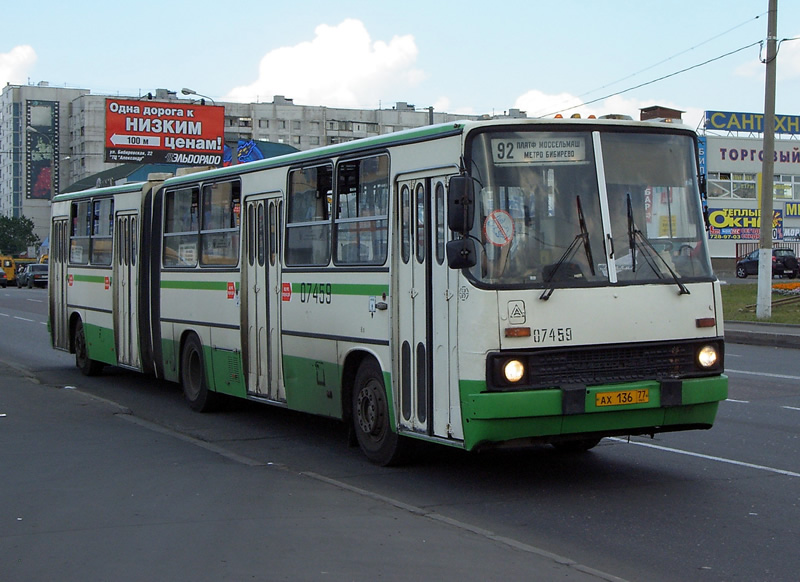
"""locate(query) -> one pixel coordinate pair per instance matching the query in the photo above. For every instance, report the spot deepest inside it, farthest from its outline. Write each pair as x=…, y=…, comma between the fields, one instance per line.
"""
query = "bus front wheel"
x=371, y=421
x=85, y=364
x=193, y=377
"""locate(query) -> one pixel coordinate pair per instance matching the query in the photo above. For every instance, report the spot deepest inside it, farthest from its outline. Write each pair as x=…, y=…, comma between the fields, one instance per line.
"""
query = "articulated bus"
x=475, y=284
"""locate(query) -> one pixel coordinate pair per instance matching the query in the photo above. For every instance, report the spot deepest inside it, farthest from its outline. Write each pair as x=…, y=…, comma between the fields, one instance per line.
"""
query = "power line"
x=640, y=85
x=674, y=56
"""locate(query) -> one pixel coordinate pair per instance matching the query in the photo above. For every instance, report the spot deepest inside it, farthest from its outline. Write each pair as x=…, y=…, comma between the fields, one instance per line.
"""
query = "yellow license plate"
x=622, y=397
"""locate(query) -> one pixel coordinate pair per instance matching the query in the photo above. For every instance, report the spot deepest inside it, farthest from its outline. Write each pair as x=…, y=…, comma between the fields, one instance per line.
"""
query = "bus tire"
x=371, y=422
x=193, y=377
x=85, y=364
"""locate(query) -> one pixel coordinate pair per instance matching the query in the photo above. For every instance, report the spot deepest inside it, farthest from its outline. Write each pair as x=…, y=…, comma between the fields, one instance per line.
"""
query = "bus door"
x=261, y=312
x=58, y=260
x=126, y=338
x=425, y=311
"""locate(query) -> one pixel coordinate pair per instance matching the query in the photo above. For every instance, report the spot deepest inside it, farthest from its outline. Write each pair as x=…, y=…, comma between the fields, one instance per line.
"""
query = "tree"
x=16, y=235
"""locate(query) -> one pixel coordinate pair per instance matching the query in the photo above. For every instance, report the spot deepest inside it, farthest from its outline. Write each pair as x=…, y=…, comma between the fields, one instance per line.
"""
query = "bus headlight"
x=707, y=357
x=513, y=370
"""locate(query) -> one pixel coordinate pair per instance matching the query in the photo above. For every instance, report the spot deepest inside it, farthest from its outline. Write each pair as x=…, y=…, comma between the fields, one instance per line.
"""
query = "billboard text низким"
x=161, y=132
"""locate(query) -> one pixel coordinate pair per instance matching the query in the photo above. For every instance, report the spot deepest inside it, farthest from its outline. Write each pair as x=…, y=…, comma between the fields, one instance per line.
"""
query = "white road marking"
x=765, y=374
x=708, y=457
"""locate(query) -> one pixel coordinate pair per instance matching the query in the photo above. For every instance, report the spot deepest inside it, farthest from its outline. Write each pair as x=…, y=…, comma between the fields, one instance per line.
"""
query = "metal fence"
x=745, y=248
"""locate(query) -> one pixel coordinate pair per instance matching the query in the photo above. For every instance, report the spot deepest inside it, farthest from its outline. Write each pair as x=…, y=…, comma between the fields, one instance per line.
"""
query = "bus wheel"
x=193, y=377
x=86, y=365
x=374, y=433
x=577, y=446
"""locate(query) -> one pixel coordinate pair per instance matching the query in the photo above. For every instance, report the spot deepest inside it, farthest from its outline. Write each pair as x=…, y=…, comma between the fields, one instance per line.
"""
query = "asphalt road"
x=714, y=505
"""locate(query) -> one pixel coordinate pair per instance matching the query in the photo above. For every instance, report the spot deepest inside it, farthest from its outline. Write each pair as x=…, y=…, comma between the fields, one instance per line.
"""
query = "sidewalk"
x=758, y=333
x=92, y=494
x=762, y=334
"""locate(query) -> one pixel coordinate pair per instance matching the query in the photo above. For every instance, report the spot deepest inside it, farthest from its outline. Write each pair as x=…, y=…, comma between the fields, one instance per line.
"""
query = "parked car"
x=3, y=279
x=784, y=264
x=33, y=275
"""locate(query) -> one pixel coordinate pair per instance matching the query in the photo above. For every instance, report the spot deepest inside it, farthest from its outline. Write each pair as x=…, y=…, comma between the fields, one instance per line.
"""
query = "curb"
x=762, y=337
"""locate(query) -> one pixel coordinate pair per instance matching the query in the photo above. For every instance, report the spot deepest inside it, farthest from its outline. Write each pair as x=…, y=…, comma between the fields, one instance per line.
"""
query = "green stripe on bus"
x=197, y=285
x=90, y=278
x=346, y=288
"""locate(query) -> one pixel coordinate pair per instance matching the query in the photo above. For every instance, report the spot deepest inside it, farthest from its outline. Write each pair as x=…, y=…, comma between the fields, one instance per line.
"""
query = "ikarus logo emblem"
x=516, y=312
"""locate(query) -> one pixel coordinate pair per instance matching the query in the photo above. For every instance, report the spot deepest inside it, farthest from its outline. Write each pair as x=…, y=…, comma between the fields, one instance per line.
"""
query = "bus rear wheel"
x=381, y=445
x=193, y=377
x=85, y=364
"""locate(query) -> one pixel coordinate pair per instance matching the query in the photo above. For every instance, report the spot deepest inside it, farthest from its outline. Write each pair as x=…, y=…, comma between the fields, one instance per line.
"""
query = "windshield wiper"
x=631, y=232
x=648, y=250
x=582, y=236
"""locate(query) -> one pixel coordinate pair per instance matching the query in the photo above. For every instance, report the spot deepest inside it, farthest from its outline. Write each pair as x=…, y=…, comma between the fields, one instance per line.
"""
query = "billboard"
x=791, y=209
x=164, y=132
x=41, y=158
x=731, y=154
x=750, y=122
x=741, y=224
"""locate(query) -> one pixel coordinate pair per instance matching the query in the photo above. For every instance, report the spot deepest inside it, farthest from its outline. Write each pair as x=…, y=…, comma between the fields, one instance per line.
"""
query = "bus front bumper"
x=496, y=418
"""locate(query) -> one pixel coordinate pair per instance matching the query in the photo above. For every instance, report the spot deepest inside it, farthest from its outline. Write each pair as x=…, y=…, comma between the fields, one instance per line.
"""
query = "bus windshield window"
x=531, y=191
x=654, y=207
x=543, y=220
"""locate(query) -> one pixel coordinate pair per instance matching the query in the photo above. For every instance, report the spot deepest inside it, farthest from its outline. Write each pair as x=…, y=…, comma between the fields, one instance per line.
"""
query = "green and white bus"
x=475, y=284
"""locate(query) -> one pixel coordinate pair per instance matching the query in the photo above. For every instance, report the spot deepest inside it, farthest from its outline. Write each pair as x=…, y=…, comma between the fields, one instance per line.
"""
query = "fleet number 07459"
x=321, y=293
x=554, y=334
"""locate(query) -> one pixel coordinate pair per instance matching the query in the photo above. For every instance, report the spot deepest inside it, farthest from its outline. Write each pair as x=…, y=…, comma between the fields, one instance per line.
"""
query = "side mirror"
x=460, y=204
x=461, y=253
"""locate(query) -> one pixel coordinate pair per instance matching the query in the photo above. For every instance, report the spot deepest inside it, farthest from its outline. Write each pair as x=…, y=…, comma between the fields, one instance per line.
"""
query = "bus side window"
x=219, y=232
x=362, y=207
x=80, y=233
x=308, y=223
x=181, y=227
x=102, y=231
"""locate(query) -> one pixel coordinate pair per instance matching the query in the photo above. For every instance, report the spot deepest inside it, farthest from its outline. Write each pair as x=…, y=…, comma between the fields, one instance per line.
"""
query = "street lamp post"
x=764, y=291
x=186, y=91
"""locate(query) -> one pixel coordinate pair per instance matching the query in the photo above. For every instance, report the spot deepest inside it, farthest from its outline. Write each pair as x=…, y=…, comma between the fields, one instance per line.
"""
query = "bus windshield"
x=558, y=209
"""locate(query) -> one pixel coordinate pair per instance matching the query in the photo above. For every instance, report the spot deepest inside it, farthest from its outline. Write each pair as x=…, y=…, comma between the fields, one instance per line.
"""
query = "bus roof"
x=122, y=188
x=390, y=139
x=415, y=135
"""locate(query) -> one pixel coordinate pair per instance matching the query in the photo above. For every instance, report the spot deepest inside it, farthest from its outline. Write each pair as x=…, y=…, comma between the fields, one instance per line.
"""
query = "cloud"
x=341, y=67
x=14, y=65
x=787, y=67
x=539, y=104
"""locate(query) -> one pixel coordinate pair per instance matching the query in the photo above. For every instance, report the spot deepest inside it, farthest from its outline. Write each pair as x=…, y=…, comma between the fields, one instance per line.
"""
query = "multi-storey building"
x=34, y=146
x=50, y=138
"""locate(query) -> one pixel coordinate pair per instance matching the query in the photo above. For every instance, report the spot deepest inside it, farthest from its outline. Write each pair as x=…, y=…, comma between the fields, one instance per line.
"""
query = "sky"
x=539, y=56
